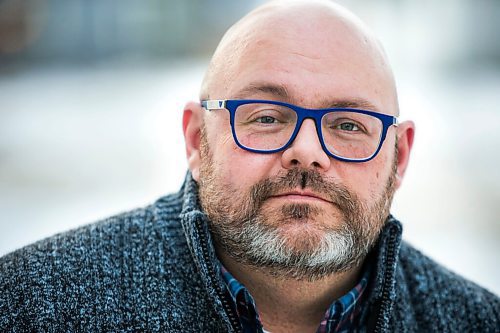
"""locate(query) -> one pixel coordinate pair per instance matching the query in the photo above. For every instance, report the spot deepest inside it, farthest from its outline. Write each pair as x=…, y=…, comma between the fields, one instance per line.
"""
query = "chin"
x=303, y=219
x=301, y=235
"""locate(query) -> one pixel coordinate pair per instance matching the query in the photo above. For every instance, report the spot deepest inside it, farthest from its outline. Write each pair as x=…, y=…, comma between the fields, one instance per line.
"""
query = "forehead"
x=280, y=92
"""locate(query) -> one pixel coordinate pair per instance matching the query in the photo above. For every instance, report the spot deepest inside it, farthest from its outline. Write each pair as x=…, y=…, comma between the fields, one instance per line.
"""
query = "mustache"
x=309, y=179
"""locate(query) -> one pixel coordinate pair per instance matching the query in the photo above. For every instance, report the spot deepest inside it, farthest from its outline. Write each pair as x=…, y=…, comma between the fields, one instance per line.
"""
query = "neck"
x=290, y=305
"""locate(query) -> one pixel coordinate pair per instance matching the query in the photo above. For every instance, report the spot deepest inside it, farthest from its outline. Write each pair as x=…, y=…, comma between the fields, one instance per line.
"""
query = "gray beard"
x=265, y=249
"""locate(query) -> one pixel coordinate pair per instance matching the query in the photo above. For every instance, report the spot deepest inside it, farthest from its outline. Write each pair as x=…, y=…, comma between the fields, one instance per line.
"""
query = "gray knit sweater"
x=154, y=270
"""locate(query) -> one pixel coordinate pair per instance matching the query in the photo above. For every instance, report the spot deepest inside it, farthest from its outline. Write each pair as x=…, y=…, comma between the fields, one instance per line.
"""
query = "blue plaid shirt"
x=339, y=317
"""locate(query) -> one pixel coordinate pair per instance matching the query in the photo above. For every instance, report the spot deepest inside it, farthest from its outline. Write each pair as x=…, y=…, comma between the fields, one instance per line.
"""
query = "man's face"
x=298, y=213
x=270, y=227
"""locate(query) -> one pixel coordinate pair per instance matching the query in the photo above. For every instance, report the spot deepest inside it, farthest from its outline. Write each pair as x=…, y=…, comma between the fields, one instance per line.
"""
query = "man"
x=283, y=222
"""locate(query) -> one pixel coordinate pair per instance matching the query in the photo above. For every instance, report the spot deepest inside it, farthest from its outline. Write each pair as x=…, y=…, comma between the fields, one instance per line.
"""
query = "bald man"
x=283, y=223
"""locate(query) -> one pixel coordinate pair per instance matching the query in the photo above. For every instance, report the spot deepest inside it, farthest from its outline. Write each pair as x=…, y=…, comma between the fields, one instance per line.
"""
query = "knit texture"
x=153, y=270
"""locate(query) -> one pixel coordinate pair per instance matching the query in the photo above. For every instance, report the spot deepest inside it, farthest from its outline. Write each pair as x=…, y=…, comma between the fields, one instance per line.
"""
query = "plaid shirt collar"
x=339, y=317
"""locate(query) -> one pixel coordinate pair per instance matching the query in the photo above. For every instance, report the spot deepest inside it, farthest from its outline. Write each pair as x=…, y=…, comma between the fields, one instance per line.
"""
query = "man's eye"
x=350, y=127
x=266, y=120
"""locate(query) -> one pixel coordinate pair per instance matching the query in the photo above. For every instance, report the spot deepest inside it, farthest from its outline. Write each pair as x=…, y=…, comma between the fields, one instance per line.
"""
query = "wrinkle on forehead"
x=305, y=28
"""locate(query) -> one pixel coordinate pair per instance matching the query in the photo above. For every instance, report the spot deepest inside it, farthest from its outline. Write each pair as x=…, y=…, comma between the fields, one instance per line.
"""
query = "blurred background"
x=92, y=91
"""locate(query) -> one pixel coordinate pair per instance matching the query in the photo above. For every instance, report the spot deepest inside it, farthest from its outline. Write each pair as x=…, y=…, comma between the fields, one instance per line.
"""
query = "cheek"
x=239, y=168
x=379, y=173
x=244, y=169
x=368, y=180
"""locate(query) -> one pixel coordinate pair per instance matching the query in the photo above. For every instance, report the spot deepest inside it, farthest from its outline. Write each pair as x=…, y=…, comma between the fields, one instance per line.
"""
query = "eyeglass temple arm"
x=214, y=104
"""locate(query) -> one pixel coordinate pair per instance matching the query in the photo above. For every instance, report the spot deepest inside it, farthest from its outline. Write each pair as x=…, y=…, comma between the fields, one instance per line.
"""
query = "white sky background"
x=81, y=143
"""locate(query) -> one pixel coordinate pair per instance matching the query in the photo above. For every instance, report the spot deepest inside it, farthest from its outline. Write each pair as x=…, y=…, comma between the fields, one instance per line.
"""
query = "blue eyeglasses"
x=346, y=134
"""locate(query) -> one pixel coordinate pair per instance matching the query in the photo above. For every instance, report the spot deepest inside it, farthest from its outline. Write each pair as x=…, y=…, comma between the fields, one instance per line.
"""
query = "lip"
x=301, y=195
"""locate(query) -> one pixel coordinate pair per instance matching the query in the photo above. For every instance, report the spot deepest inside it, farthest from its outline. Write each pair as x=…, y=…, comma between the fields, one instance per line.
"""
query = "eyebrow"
x=253, y=89
x=281, y=92
x=354, y=103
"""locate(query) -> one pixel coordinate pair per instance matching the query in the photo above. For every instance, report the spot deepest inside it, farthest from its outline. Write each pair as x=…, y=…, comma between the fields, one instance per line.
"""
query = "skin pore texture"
x=295, y=226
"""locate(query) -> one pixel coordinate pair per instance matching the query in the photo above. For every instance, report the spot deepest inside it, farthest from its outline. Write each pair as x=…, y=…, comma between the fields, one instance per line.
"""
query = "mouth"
x=302, y=196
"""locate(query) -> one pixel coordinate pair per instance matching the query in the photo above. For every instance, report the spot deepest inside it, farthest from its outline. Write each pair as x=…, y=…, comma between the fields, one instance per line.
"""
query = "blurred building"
x=82, y=31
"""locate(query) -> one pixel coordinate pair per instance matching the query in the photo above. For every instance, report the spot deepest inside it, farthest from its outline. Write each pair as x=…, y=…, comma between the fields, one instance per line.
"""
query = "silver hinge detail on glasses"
x=216, y=104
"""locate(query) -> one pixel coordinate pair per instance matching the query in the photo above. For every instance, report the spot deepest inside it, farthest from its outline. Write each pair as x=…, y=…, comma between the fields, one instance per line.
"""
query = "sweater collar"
x=385, y=254
x=199, y=240
x=196, y=228
x=382, y=289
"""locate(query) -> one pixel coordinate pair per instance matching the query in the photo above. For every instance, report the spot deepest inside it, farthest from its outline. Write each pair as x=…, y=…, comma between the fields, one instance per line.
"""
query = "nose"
x=306, y=150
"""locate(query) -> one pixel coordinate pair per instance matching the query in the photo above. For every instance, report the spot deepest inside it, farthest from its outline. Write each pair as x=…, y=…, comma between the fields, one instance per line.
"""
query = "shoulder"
x=113, y=233
x=99, y=268
x=442, y=299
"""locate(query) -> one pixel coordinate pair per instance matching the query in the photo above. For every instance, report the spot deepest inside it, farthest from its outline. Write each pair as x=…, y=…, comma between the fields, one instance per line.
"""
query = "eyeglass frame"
x=302, y=114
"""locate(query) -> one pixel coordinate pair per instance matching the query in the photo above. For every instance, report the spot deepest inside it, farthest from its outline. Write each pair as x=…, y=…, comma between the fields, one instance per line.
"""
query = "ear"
x=192, y=121
x=405, y=133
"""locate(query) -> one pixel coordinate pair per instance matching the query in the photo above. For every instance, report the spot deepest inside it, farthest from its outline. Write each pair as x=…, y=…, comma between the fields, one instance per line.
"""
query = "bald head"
x=314, y=42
